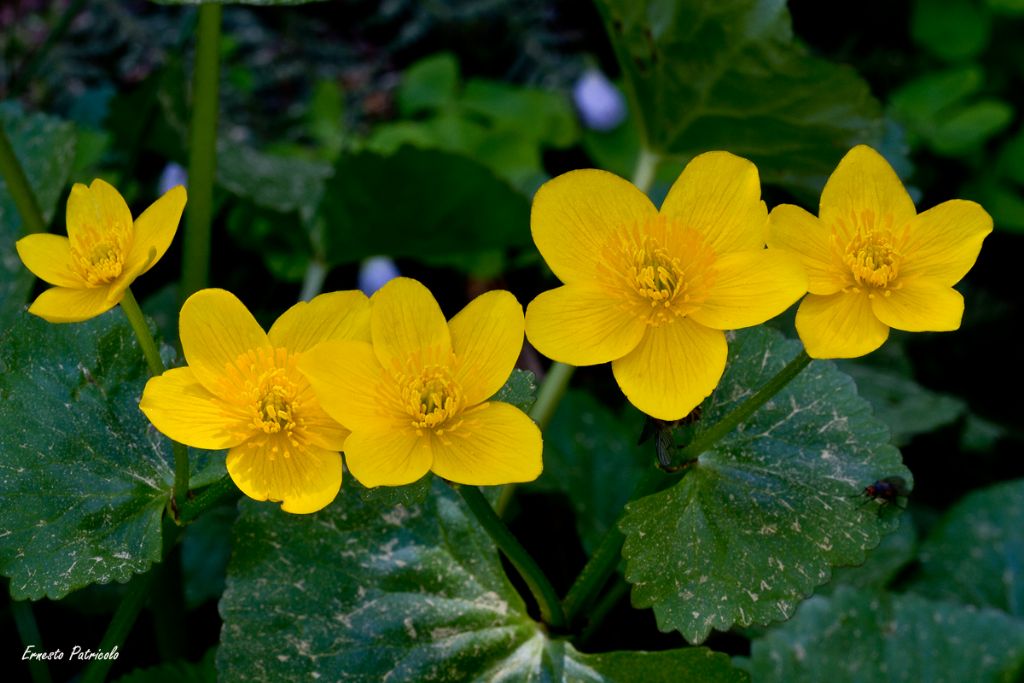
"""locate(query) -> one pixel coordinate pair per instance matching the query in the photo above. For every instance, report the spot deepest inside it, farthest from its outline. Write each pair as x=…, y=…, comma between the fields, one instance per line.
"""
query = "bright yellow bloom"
x=416, y=399
x=873, y=262
x=653, y=291
x=242, y=391
x=103, y=253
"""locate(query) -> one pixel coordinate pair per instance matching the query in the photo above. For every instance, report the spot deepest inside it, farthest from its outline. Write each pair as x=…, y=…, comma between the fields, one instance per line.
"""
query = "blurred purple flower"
x=601, y=105
x=375, y=272
x=172, y=175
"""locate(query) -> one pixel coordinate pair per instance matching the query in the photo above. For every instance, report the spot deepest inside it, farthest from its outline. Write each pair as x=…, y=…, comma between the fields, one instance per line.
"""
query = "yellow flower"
x=653, y=291
x=873, y=262
x=416, y=398
x=242, y=391
x=103, y=253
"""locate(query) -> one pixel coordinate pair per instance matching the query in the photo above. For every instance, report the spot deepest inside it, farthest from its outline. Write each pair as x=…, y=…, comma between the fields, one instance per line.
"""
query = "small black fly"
x=887, y=491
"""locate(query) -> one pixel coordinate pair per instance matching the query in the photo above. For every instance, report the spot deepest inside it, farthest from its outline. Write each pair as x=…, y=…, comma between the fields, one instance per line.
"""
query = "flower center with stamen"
x=432, y=398
x=269, y=389
x=873, y=258
x=664, y=269
x=99, y=255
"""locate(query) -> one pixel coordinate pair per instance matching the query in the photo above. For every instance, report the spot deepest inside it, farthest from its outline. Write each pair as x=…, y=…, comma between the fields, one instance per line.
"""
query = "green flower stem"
x=138, y=322
x=25, y=621
x=606, y=558
x=542, y=590
x=202, y=152
x=728, y=423
x=128, y=611
x=207, y=498
x=17, y=185
x=551, y=391
x=156, y=367
x=605, y=605
x=646, y=167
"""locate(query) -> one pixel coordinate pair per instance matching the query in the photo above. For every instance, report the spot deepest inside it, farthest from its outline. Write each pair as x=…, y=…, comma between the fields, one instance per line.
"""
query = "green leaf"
x=883, y=564
x=903, y=404
x=428, y=85
x=83, y=477
x=357, y=593
x=975, y=553
x=272, y=181
x=591, y=455
x=730, y=76
x=950, y=29
x=388, y=497
x=938, y=111
x=45, y=147
x=260, y=3
x=419, y=203
x=520, y=390
x=538, y=115
x=869, y=636
x=759, y=520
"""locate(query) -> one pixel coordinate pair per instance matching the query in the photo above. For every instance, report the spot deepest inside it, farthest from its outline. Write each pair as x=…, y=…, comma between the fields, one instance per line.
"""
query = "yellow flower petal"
x=574, y=215
x=216, y=328
x=338, y=315
x=97, y=207
x=351, y=385
x=795, y=230
x=408, y=328
x=67, y=305
x=495, y=444
x=487, y=337
x=865, y=190
x=840, y=325
x=49, y=258
x=674, y=368
x=391, y=457
x=943, y=242
x=751, y=287
x=920, y=306
x=178, y=405
x=718, y=194
x=304, y=482
x=582, y=325
x=154, y=231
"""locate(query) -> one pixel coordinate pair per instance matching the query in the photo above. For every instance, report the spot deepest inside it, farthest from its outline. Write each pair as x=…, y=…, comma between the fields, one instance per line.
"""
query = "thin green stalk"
x=203, y=153
x=728, y=423
x=133, y=312
x=646, y=167
x=207, y=498
x=21, y=191
x=128, y=611
x=606, y=558
x=313, y=280
x=605, y=605
x=542, y=590
x=25, y=621
x=551, y=391
x=156, y=367
x=167, y=605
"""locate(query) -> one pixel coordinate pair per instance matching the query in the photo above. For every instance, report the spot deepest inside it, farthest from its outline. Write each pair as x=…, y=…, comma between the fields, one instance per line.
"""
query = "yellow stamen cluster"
x=667, y=267
x=98, y=253
x=270, y=391
x=432, y=398
x=868, y=251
